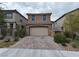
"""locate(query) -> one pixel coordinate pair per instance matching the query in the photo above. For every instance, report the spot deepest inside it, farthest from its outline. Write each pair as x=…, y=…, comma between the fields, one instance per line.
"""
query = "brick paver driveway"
x=36, y=47
x=36, y=42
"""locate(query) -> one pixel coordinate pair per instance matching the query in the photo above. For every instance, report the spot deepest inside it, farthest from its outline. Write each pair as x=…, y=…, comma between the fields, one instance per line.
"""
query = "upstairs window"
x=44, y=17
x=8, y=15
x=33, y=18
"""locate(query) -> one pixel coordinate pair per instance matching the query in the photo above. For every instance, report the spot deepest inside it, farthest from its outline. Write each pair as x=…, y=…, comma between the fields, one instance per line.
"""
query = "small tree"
x=22, y=32
x=2, y=23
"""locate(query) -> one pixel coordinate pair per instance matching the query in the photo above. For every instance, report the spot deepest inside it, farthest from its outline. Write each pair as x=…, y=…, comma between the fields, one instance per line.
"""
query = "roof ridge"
x=66, y=14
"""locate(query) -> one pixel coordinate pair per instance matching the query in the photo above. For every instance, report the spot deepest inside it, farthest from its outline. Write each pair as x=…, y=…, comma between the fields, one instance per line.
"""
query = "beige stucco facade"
x=60, y=22
x=17, y=19
x=39, y=24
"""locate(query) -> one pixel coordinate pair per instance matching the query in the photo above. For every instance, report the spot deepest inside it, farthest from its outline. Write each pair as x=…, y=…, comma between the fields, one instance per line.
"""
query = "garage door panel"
x=38, y=31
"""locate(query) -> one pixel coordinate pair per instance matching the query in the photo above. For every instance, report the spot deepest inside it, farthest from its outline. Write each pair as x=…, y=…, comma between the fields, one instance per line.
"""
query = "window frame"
x=43, y=18
x=8, y=15
x=33, y=18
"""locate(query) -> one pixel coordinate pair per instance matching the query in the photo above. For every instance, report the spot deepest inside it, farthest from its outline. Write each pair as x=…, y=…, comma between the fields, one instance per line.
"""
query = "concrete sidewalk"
x=8, y=52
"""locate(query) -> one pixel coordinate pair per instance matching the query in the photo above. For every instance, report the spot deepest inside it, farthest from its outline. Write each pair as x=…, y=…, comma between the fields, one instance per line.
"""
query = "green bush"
x=59, y=38
x=3, y=31
x=74, y=45
x=63, y=44
x=22, y=32
x=77, y=37
x=7, y=40
x=67, y=34
x=68, y=40
x=16, y=39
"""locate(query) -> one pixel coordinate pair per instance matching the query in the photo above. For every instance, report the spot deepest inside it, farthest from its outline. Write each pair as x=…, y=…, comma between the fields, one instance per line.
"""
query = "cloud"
x=57, y=8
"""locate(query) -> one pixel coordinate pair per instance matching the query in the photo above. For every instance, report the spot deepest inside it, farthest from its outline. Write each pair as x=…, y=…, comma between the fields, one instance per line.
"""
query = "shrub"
x=74, y=45
x=74, y=36
x=7, y=40
x=17, y=32
x=1, y=37
x=59, y=38
x=67, y=34
x=16, y=39
x=3, y=31
x=22, y=32
x=77, y=37
x=68, y=40
x=64, y=44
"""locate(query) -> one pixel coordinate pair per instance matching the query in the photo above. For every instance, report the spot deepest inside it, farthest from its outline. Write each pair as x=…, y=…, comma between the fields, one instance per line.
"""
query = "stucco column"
x=27, y=30
x=8, y=27
x=50, y=30
x=14, y=29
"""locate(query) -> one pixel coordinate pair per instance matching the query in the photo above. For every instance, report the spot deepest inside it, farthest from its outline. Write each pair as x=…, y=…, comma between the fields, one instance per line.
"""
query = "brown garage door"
x=39, y=31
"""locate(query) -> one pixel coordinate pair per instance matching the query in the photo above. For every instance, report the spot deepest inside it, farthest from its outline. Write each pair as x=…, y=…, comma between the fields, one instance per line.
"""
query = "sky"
x=56, y=8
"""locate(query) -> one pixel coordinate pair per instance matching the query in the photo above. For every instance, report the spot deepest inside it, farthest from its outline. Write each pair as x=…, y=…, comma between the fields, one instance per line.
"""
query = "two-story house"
x=39, y=24
x=58, y=24
x=13, y=18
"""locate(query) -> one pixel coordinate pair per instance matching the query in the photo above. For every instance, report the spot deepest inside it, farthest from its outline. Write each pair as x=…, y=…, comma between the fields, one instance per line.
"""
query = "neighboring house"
x=12, y=19
x=58, y=24
x=39, y=24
